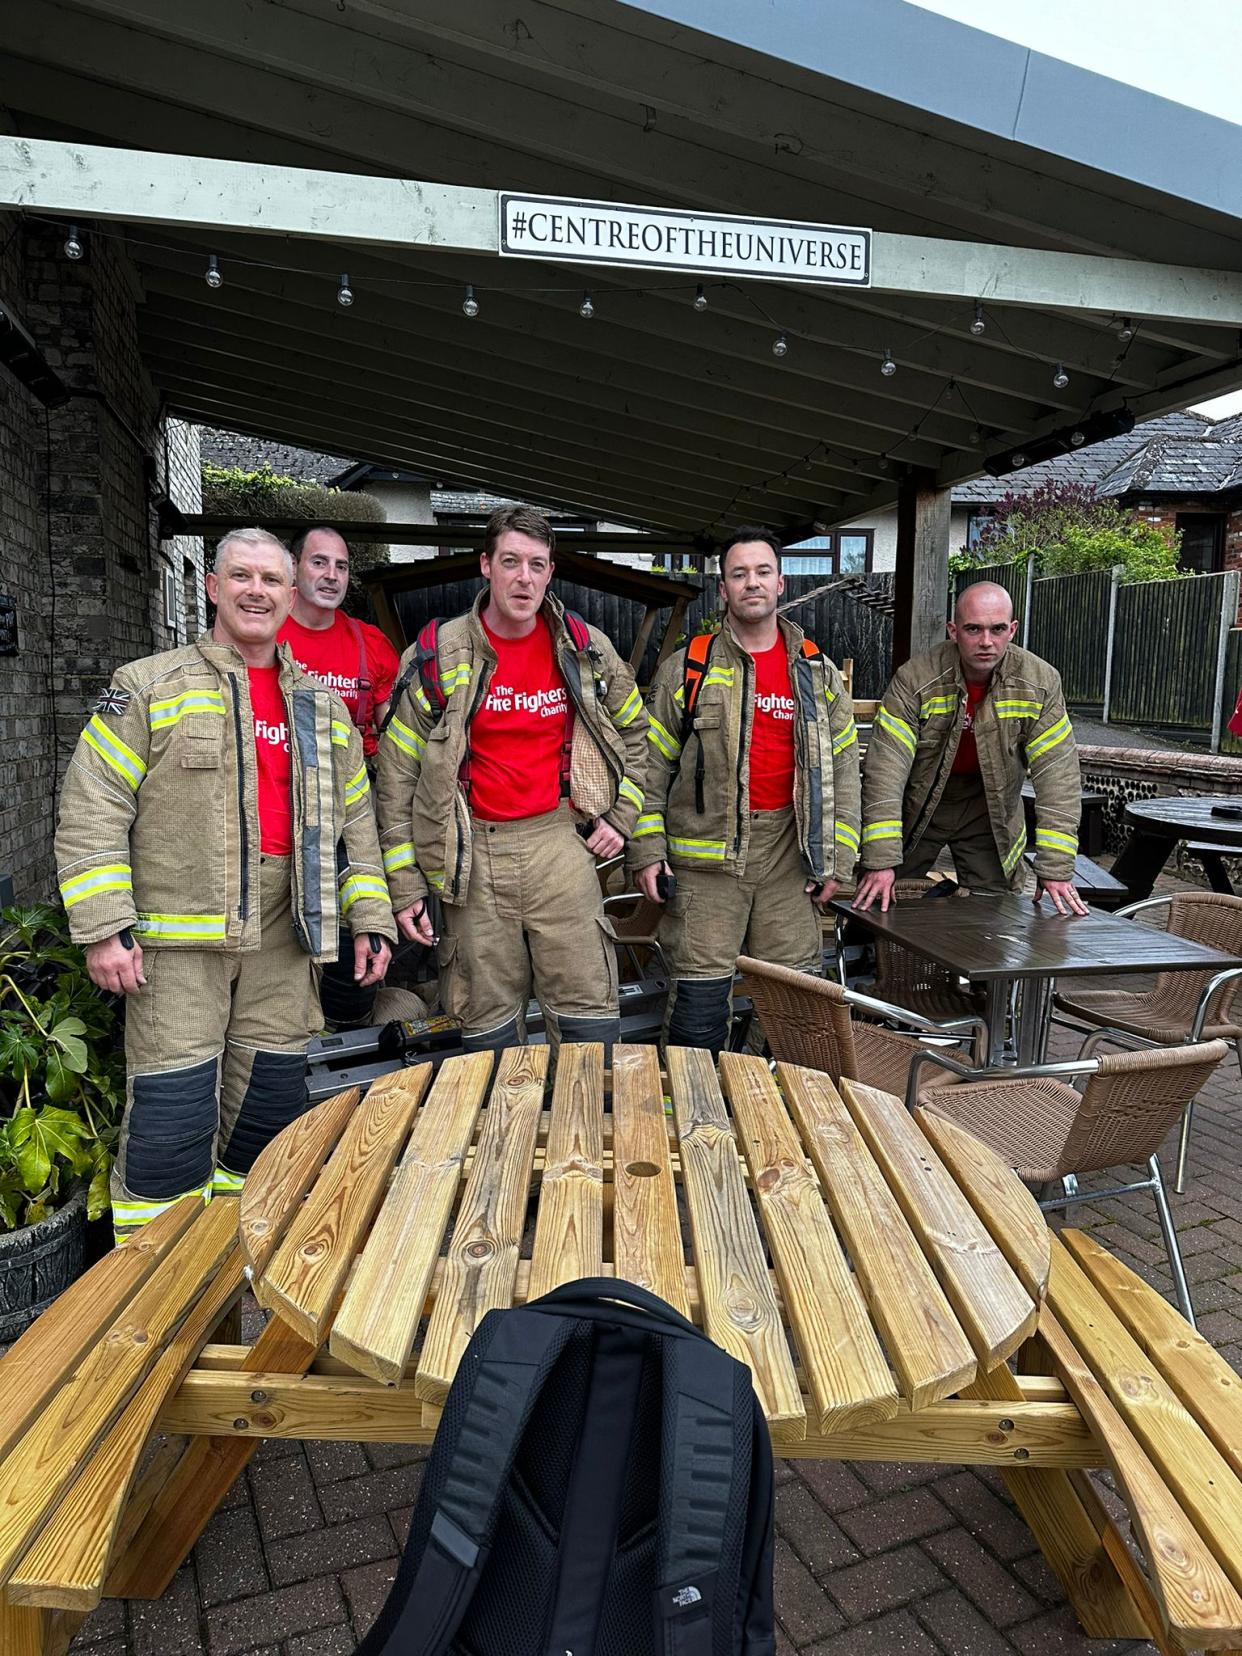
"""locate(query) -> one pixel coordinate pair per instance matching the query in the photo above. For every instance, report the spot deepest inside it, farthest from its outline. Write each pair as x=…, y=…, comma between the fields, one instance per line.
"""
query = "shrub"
x=1069, y=529
x=228, y=491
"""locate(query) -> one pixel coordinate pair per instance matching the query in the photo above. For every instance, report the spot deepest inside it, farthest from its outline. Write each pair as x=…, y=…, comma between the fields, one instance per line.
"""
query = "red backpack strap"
x=811, y=649
x=426, y=658
x=362, y=712
x=578, y=630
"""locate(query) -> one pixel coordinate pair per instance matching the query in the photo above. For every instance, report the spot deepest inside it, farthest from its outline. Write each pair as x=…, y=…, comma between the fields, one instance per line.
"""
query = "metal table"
x=1157, y=825
x=995, y=942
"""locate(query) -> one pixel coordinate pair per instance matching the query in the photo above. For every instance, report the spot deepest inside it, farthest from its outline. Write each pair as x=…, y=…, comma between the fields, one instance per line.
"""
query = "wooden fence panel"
x=1164, y=654
x=1069, y=628
x=839, y=624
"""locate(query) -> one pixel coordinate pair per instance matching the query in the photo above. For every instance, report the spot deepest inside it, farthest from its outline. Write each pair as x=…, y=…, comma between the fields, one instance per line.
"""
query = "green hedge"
x=228, y=491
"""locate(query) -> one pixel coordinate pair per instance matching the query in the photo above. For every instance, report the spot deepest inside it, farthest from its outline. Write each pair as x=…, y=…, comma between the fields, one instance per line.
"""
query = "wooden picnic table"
x=874, y=1269
x=1158, y=825
x=995, y=942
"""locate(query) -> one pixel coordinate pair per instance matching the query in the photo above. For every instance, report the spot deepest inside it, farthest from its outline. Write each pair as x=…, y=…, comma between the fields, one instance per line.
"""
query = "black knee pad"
x=275, y=1096
x=172, y=1126
x=607, y=1030
x=700, y=1013
x=493, y=1040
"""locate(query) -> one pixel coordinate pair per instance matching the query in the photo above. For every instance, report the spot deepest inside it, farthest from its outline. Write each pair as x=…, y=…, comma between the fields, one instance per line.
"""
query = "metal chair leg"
x=1069, y=1184
x=1180, y=1285
x=1091, y=1042
x=1183, y=1145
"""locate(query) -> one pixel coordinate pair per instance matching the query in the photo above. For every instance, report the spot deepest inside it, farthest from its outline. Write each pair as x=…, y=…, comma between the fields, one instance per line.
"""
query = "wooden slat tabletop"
x=861, y=1263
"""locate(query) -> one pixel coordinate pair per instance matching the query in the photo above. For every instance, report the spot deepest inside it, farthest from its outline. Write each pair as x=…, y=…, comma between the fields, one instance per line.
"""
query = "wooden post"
x=922, y=564
x=669, y=641
x=645, y=628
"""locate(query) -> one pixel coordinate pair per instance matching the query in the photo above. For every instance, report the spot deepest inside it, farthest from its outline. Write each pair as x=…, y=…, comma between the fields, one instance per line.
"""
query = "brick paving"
x=872, y=1559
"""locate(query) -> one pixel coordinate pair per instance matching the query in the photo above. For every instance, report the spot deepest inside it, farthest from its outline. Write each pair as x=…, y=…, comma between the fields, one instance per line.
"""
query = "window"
x=846, y=552
x=1203, y=541
x=976, y=523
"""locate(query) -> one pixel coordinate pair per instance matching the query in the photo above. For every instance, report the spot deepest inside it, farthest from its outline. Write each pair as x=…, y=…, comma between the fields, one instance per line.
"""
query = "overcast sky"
x=1190, y=51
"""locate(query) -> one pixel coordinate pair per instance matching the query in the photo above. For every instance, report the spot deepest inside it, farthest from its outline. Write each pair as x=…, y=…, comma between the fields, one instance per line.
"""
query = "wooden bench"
x=1212, y=856
x=877, y=1271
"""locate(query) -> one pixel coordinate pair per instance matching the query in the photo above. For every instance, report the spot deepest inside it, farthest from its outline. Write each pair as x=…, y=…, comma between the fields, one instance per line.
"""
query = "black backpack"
x=600, y=1485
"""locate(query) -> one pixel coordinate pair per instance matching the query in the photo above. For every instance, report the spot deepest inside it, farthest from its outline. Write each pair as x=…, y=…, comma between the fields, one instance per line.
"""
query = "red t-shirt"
x=518, y=735
x=331, y=656
x=271, y=750
x=772, y=735
x=966, y=759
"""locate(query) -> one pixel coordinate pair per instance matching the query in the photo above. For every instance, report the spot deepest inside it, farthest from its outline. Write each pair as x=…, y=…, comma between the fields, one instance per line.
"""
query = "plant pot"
x=39, y=1262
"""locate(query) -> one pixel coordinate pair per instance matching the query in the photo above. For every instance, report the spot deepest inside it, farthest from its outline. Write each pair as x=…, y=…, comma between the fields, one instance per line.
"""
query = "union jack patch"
x=112, y=700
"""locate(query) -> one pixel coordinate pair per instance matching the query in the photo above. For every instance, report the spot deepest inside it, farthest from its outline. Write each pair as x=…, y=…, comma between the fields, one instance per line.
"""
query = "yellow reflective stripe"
x=881, y=830
x=897, y=728
x=718, y=675
x=358, y=787
x=435, y=878
x=846, y=835
x=679, y=695
x=124, y=761
x=1055, y=841
x=1015, y=851
x=358, y=886
x=401, y=856
x=409, y=741
x=420, y=697
x=110, y=877
x=668, y=745
x=225, y=1183
x=1052, y=737
x=194, y=927
x=830, y=694
x=629, y=791
x=706, y=850
x=167, y=712
x=133, y=1215
x=848, y=735
x=1018, y=709
x=628, y=711
x=340, y=734
x=938, y=704
x=455, y=678
x=651, y=824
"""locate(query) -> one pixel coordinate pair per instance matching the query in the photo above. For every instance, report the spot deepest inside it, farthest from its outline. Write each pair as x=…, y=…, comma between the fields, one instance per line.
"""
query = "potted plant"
x=62, y=1094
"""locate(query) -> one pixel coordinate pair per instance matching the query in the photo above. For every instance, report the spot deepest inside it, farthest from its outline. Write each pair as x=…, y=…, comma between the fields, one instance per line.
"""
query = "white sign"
x=657, y=238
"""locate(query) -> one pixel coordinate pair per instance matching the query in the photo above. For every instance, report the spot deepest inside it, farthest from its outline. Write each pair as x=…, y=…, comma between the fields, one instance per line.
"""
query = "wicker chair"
x=807, y=1020
x=1180, y=1007
x=1048, y=1131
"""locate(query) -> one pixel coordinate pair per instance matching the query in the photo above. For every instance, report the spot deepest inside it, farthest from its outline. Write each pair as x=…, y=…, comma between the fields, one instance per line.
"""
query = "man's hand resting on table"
x=1063, y=895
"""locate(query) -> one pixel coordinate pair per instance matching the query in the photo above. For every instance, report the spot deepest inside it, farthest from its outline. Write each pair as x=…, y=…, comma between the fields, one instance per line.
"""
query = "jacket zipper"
x=741, y=748
x=243, y=907
x=484, y=680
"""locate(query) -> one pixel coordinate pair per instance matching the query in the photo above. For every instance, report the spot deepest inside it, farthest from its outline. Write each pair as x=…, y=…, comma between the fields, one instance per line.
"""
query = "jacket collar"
x=790, y=631
x=227, y=658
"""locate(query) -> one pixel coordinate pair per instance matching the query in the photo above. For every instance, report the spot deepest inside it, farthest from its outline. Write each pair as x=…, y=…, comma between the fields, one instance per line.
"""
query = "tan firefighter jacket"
x=1020, y=726
x=424, y=814
x=159, y=815
x=673, y=826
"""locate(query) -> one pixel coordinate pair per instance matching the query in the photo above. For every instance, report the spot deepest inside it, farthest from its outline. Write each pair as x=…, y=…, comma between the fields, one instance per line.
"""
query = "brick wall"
x=78, y=539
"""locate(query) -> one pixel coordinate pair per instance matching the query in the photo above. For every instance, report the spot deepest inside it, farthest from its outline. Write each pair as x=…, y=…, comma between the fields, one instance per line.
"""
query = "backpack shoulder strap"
x=698, y=655
x=362, y=712
x=423, y=665
x=811, y=650
x=504, y=1391
x=578, y=630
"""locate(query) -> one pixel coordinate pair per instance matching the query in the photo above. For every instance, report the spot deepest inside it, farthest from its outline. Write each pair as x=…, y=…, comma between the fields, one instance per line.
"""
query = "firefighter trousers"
x=533, y=919
x=714, y=916
x=215, y=1059
x=961, y=822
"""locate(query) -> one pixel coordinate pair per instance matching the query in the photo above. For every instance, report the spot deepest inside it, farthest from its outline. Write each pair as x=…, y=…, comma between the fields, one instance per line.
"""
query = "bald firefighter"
x=955, y=737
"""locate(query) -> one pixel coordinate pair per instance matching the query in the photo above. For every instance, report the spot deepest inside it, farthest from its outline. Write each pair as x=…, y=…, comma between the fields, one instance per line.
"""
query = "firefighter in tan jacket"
x=752, y=795
x=954, y=739
x=515, y=756
x=215, y=819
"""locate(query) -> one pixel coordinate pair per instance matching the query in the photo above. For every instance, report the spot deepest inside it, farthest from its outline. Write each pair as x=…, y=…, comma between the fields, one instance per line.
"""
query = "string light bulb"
x=978, y=325
x=976, y=437
x=587, y=308
x=345, y=294
x=1018, y=460
x=470, y=305
x=950, y=391
x=214, y=278
x=1126, y=330
x=1077, y=438
x=780, y=346
x=888, y=367
x=73, y=247
x=1059, y=377
x=700, y=298
x=882, y=463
